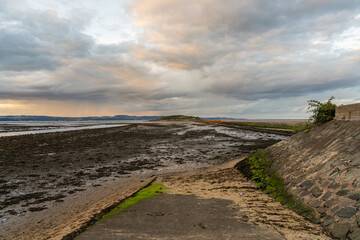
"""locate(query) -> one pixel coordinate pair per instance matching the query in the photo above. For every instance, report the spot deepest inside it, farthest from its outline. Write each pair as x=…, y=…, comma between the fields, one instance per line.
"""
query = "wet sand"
x=46, y=129
x=52, y=180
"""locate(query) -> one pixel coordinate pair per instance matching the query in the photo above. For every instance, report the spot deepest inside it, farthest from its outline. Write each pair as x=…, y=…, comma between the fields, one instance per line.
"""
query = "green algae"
x=151, y=190
x=147, y=192
x=272, y=184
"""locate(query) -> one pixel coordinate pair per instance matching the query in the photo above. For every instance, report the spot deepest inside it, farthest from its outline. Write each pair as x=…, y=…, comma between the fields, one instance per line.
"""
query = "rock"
x=327, y=221
x=321, y=210
x=341, y=168
x=351, y=174
x=326, y=196
x=303, y=194
x=354, y=162
x=335, y=176
x=334, y=185
x=354, y=196
x=307, y=184
x=297, y=180
x=312, y=218
x=330, y=203
x=358, y=220
x=316, y=191
x=334, y=209
x=355, y=235
x=346, y=212
x=356, y=183
x=340, y=230
x=314, y=203
x=342, y=192
x=357, y=205
x=318, y=168
x=296, y=191
x=352, y=148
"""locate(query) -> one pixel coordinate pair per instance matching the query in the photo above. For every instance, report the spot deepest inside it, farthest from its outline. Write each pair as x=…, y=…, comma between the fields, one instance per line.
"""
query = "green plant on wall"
x=322, y=112
x=272, y=184
x=259, y=168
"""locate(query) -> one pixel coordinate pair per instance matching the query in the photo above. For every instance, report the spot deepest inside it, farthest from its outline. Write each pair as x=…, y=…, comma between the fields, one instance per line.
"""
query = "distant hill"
x=179, y=118
x=223, y=118
x=111, y=118
x=102, y=118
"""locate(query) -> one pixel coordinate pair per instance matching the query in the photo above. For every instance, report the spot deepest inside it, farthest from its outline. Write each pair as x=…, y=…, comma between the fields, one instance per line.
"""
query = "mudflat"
x=52, y=183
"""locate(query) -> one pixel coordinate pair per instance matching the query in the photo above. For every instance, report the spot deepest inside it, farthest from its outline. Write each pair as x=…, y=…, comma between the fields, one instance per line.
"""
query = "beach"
x=52, y=183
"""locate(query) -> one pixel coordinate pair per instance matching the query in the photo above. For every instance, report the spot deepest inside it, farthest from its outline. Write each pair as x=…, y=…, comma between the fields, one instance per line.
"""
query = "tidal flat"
x=62, y=174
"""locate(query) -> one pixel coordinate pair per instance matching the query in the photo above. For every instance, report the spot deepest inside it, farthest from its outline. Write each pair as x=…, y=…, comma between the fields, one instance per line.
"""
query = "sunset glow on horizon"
x=244, y=59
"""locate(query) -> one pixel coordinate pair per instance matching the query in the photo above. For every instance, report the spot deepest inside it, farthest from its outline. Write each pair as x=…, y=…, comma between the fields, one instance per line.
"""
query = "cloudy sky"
x=248, y=58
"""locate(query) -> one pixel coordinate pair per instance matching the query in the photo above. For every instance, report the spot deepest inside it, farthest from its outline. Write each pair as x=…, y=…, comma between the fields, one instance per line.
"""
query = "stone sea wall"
x=322, y=168
x=348, y=112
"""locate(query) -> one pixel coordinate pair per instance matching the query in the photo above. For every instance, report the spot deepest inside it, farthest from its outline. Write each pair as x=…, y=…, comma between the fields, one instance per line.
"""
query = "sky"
x=229, y=58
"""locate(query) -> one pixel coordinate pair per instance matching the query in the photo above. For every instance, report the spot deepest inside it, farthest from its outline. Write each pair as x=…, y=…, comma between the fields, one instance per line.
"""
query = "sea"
x=15, y=128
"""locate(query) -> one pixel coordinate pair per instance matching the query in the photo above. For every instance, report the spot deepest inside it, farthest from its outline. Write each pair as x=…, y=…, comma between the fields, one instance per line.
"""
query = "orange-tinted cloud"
x=181, y=56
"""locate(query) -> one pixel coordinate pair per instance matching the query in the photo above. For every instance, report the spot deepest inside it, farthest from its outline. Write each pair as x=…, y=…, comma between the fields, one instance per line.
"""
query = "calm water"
x=35, y=127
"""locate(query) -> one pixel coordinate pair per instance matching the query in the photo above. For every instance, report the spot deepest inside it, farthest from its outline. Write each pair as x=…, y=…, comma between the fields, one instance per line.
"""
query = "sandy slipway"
x=52, y=184
x=216, y=203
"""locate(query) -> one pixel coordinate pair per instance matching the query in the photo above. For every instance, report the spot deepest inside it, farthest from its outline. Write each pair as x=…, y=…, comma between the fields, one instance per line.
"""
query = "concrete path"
x=174, y=216
x=215, y=204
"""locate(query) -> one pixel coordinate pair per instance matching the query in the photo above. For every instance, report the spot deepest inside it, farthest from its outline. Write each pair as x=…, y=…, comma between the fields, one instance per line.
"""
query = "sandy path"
x=225, y=182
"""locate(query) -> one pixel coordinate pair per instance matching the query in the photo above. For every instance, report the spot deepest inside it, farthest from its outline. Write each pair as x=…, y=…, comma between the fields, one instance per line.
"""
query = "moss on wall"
x=259, y=170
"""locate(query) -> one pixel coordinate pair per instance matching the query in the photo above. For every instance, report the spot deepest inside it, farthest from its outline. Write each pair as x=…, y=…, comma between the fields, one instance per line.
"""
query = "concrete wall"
x=348, y=112
x=322, y=168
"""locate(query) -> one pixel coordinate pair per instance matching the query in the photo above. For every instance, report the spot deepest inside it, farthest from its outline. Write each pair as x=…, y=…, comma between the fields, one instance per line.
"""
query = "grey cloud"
x=264, y=15
x=240, y=46
x=50, y=95
x=33, y=40
x=189, y=56
x=218, y=28
x=21, y=52
x=97, y=79
x=282, y=79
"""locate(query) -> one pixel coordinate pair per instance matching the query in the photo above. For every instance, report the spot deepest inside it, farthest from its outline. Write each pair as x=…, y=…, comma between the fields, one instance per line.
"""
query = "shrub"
x=321, y=112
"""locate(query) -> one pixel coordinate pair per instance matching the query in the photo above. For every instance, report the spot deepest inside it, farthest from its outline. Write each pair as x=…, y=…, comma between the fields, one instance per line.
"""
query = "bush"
x=321, y=112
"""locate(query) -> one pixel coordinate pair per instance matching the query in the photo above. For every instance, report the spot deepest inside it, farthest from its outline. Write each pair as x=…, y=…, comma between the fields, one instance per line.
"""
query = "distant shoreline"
x=23, y=118
x=101, y=118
